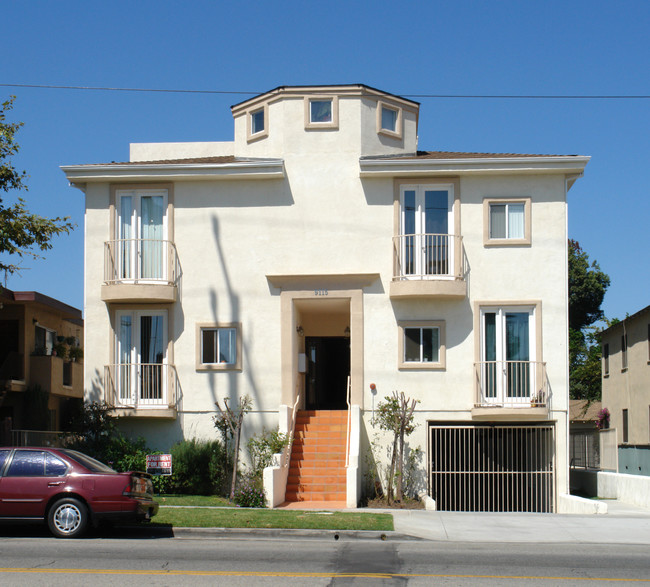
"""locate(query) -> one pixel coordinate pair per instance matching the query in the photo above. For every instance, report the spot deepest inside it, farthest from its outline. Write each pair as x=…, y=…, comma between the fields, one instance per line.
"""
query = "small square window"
x=421, y=345
x=257, y=121
x=257, y=125
x=320, y=111
x=506, y=222
x=389, y=120
x=218, y=347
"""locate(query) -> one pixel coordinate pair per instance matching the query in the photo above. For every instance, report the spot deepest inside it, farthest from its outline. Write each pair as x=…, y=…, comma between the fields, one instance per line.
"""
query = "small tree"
x=395, y=415
x=233, y=419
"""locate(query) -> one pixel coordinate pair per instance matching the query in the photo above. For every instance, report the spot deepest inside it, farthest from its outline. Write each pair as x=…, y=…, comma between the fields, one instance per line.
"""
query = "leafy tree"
x=21, y=232
x=587, y=287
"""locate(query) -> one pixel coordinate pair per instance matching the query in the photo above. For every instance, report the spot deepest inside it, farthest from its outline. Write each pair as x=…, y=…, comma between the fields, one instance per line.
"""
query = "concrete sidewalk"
x=624, y=524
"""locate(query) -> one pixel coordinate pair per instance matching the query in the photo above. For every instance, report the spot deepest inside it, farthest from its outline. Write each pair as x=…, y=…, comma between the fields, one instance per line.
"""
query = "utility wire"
x=453, y=96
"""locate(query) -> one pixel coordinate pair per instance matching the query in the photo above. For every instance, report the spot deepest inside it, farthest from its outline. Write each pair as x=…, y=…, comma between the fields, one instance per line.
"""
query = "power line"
x=451, y=96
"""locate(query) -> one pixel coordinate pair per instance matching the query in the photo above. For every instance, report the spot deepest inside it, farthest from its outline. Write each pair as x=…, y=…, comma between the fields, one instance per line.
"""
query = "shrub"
x=262, y=447
x=200, y=467
x=250, y=494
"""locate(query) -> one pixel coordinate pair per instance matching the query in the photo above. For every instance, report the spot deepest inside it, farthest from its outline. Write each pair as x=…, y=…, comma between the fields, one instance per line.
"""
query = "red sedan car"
x=69, y=490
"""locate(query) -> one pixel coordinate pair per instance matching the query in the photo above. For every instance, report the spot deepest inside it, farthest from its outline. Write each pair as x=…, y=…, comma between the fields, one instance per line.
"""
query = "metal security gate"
x=492, y=468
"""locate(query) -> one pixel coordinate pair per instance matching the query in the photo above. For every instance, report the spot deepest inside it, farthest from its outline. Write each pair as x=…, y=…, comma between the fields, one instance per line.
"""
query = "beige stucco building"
x=321, y=247
x=626, y=389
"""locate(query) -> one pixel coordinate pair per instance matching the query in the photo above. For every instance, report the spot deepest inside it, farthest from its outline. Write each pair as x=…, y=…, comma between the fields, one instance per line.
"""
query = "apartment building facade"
x=319, y=262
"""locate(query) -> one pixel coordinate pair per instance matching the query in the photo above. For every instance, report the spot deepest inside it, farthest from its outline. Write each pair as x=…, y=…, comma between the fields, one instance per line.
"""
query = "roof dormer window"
x=321, y=112
x=258, y=123
x=389, y=120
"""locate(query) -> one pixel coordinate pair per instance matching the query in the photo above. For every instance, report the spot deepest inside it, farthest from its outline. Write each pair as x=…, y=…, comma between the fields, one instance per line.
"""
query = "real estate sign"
x=159, y=464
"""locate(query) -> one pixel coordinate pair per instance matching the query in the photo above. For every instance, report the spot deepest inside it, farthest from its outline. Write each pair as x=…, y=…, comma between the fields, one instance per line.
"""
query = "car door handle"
x=55, y=483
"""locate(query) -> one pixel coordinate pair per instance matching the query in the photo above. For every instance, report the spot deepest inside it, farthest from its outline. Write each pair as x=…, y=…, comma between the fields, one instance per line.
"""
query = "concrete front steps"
x=317, y=468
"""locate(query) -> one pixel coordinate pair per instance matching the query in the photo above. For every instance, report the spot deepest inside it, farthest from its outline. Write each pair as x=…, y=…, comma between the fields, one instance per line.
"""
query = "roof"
x=69, y=312
x=461, y=155
x=583, y=411
x=626, y=320
x=337, y=89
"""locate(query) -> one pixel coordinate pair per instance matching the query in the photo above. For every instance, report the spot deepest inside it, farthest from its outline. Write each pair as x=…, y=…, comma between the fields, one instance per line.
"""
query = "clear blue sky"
x=408, y=48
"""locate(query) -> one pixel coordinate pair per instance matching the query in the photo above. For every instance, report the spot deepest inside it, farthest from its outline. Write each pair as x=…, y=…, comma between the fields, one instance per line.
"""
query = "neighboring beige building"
x=321, y=247
x=626, y=389
x=33, y=327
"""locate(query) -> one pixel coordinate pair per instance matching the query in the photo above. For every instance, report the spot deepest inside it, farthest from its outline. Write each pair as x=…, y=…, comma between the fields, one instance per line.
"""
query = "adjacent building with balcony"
x=41, y=372
x=320, y=261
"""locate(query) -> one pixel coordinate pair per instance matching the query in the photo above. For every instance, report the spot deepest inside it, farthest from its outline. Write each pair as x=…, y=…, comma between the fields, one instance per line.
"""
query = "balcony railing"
x=512, y=384
x=427, y=256
x=141, y=385
x=146, y=261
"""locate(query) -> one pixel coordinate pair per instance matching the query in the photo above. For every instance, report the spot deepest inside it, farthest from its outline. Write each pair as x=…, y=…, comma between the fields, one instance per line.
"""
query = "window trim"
x=441, y=364
x=250, y=135
x=501, y=242
x=399, y=131
x=200, y=366
x=333, y=124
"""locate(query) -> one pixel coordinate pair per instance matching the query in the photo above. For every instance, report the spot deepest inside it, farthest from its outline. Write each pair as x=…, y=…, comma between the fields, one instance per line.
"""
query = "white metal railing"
x=347, y=440
x=140, y=261
x=512, y=384
x=141, y=385
x=426, y=256
x=286, y=453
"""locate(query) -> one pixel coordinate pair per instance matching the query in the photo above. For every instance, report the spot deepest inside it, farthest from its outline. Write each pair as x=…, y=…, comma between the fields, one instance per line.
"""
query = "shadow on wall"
x=226, y=384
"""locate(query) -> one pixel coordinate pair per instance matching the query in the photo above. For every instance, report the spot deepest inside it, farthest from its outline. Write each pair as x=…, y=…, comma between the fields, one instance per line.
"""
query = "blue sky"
x=408, y=48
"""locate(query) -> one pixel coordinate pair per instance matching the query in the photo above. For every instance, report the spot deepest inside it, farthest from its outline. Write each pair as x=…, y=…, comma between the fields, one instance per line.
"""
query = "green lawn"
x=223, y=514
x=263, y=518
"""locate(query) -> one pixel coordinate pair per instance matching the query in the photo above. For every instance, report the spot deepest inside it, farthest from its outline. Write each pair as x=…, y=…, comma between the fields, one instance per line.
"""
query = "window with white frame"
x=218, y=346
x=389, y=120
x=140, y=373
x=426, y=241
x=421, y=344
x=257, y=125
x=508, y=366
x=141, y=232
x=321, y=112
x=507, y=222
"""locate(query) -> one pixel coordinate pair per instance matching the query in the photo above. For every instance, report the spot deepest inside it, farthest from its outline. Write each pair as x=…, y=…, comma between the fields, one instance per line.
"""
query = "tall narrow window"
x=508, y=373
x=606, y=359
x=141, y=233
x=425, y=244
x=141, y=347
x=257, y=121
x=624, y=351
x=625, y=427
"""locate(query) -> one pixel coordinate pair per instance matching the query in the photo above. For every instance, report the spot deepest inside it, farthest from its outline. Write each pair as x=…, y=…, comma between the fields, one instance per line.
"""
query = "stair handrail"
x=286, y=454
x=347, y=441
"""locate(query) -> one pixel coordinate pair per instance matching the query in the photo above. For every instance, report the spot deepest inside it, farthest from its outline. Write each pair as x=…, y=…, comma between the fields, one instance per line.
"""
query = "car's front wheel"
x=67, y=518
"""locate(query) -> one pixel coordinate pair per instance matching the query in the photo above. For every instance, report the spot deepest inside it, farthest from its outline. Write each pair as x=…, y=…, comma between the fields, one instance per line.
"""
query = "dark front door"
x=328, y=369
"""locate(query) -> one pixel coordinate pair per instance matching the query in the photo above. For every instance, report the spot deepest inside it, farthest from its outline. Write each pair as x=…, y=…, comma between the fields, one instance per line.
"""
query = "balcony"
x=59, y=377
x=140, y=270
x=145, y=390
x=428, y=265
x=511, y=390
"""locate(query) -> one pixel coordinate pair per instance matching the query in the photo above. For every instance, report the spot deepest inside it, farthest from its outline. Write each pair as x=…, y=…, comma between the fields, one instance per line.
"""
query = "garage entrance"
x=492, y=467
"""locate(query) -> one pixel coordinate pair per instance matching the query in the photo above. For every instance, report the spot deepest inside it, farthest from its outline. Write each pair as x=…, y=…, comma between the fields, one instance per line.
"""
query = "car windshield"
x=91, y=464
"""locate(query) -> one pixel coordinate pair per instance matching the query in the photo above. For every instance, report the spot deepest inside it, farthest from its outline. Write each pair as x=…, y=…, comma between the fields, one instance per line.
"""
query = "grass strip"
x=194, y=500
x=279, y=519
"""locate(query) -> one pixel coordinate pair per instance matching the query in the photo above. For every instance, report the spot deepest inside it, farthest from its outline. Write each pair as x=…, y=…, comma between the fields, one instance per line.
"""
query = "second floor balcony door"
x=426, y=243
x=142, y=228
x=141, y=357
x=508, y=351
